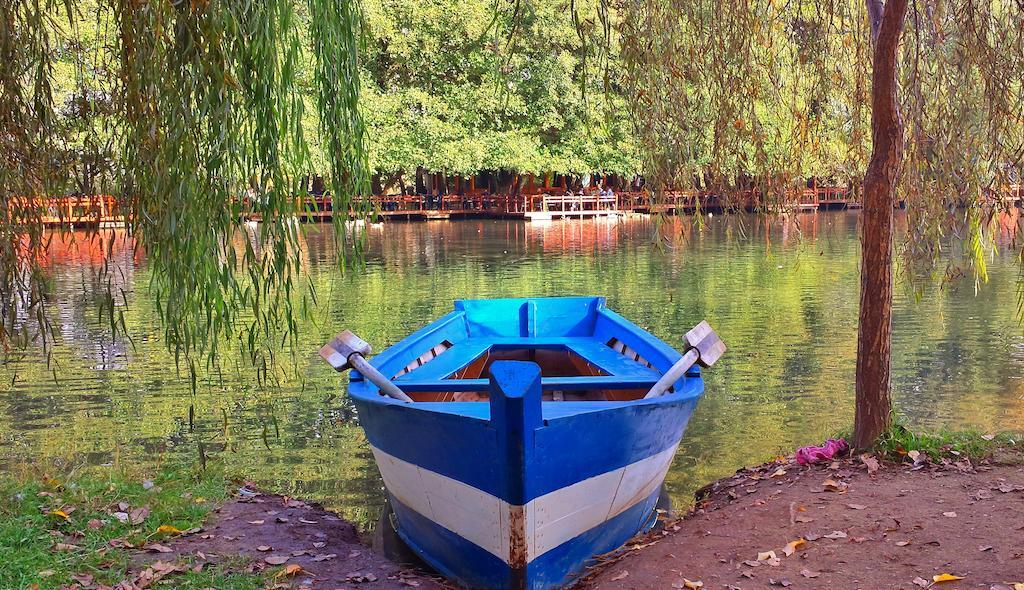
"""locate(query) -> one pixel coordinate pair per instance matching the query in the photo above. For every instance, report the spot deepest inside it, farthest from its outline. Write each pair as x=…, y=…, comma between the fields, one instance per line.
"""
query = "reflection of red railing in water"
x=90, y=248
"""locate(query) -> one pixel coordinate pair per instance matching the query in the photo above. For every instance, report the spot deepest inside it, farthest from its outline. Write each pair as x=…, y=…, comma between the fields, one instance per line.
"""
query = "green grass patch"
x=900, y=440
x=54, y=527
x=946, y=444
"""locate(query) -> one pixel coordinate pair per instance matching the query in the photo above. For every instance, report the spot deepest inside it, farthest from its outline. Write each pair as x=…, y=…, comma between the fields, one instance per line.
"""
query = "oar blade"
x=707, y=343
x=337, y=351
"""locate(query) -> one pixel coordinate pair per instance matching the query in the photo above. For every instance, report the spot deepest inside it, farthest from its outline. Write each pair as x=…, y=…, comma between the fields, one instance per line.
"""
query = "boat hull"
x=520, y=493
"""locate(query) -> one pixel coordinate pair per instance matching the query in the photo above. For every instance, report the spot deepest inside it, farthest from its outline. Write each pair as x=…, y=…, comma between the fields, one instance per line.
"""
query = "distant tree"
x=721, y=89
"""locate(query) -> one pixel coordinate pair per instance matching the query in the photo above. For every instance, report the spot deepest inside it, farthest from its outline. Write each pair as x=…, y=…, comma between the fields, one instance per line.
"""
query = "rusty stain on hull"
x=517, y=548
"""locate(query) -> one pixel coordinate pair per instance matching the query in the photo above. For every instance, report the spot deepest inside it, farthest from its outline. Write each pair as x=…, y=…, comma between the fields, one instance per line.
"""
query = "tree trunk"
x=874, y=337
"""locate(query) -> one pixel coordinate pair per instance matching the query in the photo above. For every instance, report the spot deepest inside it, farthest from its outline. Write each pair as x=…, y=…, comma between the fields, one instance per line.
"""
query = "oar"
x=703, y=347
x=348, y=351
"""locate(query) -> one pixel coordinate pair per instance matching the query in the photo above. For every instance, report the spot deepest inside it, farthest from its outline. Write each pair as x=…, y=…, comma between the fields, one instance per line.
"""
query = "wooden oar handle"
x=674, y=373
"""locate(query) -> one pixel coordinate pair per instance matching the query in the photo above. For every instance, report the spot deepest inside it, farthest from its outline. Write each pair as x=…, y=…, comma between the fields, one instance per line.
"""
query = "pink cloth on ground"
x=831, y=448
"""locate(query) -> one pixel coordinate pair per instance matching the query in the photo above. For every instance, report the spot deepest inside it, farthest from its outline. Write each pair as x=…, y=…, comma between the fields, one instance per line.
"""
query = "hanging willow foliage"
x=727, y=94
x=203, y=133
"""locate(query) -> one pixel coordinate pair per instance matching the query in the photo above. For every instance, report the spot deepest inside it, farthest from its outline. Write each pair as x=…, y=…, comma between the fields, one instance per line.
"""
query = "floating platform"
x=548, y=215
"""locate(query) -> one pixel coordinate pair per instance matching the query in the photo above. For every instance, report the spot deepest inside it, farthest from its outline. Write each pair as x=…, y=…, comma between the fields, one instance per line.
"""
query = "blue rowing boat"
x=518, y=438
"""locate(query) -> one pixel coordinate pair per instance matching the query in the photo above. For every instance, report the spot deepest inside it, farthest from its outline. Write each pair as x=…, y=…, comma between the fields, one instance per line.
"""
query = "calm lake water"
x=783, y=294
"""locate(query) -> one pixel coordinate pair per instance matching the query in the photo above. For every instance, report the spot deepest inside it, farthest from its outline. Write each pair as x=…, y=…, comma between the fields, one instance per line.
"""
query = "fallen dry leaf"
x=856, y=506
x=809, y=574
x=263, y=548
x=831, y=485
x=166, y=529
x=620, y=576
x=276, y=559
x=256, y=522
x=945, y=578
x=836, y=535
x=304, y=521
x=289, y=570
x=65, y=547
x=324, y=557
x=902, y=543
x=84, y=579
x=138, y=515
x=784, y=582
x=766, y=555
x=870, y=462
x=921, y=582
x=59, y=514
x=158, y=548
x=791, y=547
x=949, y=514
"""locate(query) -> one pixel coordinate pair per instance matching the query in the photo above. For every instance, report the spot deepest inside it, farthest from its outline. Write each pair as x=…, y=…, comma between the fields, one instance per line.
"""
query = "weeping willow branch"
x=768, y=94
x=29, y=132
x=205, y=124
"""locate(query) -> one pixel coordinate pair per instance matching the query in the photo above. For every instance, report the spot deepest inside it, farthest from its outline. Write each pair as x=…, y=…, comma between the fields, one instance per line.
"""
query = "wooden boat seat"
x=579, y=369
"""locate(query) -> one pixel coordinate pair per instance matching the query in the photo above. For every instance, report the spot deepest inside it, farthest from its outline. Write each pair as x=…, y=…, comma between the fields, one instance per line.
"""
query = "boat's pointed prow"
x=515, y=414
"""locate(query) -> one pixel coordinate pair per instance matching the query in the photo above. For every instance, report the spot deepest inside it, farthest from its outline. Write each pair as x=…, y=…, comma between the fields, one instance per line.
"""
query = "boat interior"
x=554, y=361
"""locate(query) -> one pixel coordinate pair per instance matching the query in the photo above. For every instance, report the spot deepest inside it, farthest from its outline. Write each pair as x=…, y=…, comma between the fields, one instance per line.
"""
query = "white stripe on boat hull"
x=549, y=520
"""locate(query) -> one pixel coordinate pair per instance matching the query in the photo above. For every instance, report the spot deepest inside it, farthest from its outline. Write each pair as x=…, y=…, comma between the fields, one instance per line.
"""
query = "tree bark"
x=874, y=337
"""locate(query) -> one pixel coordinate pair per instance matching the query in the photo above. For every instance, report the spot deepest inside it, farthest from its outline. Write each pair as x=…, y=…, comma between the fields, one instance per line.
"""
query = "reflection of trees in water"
x=782, y=292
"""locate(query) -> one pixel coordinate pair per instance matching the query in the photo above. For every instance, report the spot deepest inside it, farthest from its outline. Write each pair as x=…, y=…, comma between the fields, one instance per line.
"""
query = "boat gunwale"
x=689, y=387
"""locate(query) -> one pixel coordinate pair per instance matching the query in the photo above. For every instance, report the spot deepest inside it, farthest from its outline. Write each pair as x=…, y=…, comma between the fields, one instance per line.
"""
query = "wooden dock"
x=102, y=211
x=76, y=211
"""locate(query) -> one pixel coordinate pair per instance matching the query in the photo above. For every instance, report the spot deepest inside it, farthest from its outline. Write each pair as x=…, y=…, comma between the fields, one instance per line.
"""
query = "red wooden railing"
x=102, y=209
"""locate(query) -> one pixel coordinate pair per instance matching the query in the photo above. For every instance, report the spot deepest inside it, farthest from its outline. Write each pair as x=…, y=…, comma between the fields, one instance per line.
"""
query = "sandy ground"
x=848, y=524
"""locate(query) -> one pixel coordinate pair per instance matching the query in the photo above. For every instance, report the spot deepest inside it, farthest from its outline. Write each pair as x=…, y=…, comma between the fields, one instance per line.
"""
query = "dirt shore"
x=853, y=523
x=298, y=544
